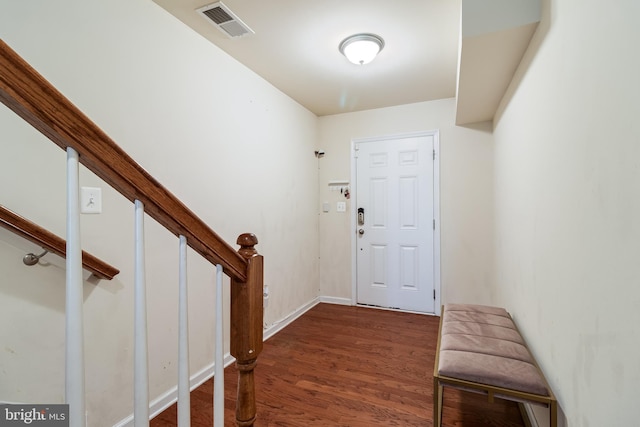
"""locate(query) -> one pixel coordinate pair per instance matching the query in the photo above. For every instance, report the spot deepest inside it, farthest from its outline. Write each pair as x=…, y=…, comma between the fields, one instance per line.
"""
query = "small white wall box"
x=91, y=200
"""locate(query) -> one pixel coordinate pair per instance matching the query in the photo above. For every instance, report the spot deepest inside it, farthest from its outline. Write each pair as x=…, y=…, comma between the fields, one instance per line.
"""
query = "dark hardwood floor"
x=353, y=367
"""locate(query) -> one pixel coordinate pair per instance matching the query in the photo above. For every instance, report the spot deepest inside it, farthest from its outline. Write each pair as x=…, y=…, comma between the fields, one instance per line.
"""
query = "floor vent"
x=220, y=16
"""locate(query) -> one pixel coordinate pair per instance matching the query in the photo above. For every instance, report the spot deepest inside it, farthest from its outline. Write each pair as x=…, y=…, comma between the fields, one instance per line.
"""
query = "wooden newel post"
x=246, y=328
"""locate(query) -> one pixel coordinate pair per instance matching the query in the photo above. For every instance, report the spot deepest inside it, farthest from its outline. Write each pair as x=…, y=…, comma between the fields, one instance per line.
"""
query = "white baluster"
x=218, y=377
x=140, y=350
x=184, y=398
x=74, y=327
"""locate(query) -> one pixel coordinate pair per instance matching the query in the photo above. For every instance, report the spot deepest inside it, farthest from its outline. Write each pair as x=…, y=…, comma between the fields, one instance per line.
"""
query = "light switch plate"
x=91, y=200
x=325, y=207
x=341, y=207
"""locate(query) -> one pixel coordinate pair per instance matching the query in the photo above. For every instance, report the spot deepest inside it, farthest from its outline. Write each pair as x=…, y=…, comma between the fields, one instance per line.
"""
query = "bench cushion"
x=480, y=318
x=486, y=345
x=478, y=329
x=482, y=344
x=492, y=370
x=477, y=309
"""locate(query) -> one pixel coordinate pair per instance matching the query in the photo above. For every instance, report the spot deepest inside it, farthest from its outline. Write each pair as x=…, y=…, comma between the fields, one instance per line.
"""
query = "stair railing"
x=34, y=99
x=48, y=241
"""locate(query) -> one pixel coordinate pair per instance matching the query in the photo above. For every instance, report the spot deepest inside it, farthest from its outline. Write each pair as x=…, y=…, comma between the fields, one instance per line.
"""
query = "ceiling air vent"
x=223, y=19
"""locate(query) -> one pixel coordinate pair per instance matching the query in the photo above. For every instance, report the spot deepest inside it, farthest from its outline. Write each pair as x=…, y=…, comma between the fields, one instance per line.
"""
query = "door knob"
x=361, y=231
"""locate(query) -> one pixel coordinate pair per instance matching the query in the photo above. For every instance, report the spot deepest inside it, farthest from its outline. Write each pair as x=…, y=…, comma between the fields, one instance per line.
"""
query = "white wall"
x=567, y=215
x=233, y=148
x=466, y=195
x=558, y=199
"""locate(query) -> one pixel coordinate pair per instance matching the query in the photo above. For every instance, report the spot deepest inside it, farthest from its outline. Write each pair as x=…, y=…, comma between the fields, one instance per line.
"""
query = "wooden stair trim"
x=33, y=98
x=42, y=237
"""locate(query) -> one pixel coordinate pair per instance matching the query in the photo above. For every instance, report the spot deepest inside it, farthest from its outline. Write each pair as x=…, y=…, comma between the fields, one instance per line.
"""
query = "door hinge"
x=434, y=224
x=434, y=154
x=434, y=294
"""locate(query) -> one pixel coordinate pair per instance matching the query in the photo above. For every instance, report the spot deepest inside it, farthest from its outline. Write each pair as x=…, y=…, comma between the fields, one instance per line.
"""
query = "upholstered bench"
x=480, y=349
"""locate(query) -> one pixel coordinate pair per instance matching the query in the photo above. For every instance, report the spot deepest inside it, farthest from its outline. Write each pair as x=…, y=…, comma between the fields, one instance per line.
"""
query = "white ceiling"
x=295, y=48
x=434, y=49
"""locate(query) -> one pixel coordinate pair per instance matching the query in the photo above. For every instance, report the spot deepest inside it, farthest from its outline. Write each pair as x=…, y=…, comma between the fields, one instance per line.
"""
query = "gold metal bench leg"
x=553, y=413
x=437, y=403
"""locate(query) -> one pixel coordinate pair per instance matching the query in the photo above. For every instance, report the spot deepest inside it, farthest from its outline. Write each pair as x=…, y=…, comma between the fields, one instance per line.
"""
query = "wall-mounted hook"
x=32, y=259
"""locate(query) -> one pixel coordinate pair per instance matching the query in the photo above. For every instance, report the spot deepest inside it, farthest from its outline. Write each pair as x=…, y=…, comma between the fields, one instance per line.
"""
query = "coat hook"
x=31, y=259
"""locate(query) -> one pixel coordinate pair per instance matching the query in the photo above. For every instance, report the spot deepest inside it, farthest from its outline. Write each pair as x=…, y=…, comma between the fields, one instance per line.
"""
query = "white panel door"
x=395, y=223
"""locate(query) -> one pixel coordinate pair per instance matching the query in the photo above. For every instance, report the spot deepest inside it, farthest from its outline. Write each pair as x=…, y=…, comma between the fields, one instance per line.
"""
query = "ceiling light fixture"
x=361, y=48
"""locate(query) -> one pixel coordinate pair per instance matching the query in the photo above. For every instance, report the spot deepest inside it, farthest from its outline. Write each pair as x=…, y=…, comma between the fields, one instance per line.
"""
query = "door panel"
x=409, y=261
x=378, y=266
x=395, y=254
x=408, y=203
x=378, y=189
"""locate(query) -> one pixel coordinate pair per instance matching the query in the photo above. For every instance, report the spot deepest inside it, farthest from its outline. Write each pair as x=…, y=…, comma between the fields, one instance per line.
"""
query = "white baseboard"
x=281, y=324
x=336, y=300
x=533, y=421
x=171, y=396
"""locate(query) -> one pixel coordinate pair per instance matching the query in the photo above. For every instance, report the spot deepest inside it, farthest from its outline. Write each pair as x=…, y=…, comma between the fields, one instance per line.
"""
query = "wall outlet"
x=341, y=207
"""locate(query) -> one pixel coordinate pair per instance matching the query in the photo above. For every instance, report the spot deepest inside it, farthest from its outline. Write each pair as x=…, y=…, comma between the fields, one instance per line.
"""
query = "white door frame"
x=436, y=209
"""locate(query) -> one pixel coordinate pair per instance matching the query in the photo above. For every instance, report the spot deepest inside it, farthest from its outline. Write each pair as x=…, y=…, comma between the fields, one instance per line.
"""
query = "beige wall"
x=466, y=195
x=567, y=197
x=543, y=222
x=233, y=148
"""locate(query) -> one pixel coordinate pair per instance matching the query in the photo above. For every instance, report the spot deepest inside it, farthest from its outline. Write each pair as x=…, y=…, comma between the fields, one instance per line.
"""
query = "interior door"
x=395, y=223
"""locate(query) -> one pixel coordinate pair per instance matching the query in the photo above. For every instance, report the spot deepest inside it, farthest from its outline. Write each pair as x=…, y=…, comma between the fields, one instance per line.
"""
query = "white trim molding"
x=336, y=300
x=276, y=327
x=171, y=396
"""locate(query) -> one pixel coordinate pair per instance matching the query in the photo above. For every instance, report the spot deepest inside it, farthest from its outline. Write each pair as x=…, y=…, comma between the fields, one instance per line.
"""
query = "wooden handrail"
x=52, y=243
x=33, y=98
